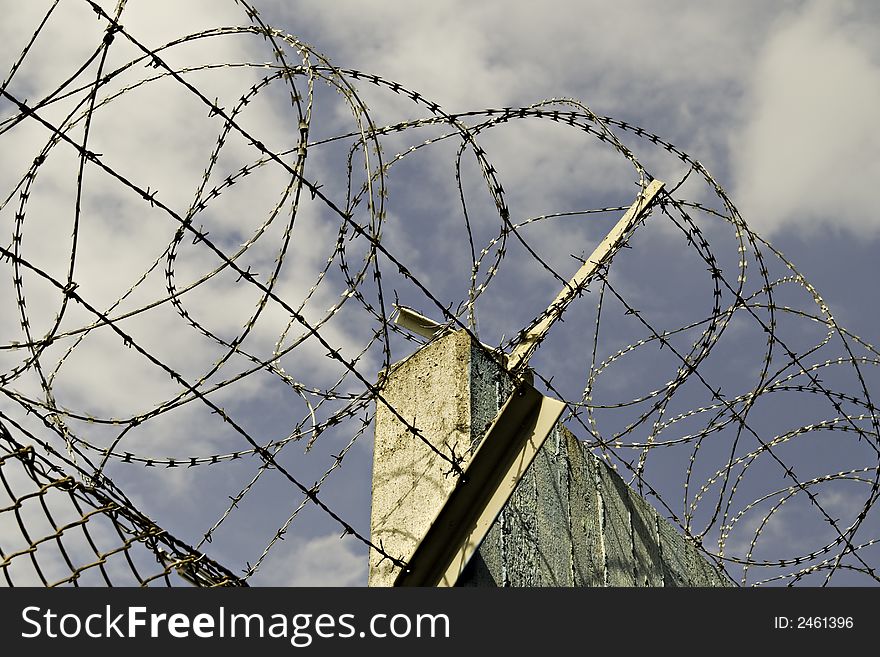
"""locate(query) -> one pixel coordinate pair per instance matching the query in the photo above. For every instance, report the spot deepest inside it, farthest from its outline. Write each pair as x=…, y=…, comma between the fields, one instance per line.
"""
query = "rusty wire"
x=699, y=445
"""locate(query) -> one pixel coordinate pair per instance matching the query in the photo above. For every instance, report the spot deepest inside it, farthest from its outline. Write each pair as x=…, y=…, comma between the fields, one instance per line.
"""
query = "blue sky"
x=776, y=101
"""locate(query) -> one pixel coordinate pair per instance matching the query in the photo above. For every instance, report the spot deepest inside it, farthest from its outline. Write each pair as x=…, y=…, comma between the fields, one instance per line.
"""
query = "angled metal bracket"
x=416, y=323
x=519, y=357
x=508, y=448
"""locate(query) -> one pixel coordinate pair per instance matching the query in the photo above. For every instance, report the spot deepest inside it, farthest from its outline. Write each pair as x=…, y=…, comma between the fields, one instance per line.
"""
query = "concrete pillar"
x=572, y=521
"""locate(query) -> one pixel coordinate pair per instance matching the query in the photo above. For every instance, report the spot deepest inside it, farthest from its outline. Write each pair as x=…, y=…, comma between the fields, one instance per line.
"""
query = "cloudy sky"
x=776, y=100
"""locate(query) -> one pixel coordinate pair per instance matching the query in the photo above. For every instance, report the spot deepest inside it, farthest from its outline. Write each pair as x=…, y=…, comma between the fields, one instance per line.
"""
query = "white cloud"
x=783, y=93
x=159, y=136
x=321, y=561
x=807, y=154
x=681, y=62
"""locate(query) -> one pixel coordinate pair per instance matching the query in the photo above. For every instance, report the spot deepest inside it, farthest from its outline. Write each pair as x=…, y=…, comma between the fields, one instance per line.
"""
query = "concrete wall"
x=572, y=521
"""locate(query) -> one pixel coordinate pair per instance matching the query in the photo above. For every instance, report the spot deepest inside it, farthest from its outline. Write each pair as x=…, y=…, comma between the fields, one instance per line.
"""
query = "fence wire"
x=708, y=370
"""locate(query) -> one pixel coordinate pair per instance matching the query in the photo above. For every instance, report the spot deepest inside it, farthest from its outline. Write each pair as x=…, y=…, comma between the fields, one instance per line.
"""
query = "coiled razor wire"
x=764, y=452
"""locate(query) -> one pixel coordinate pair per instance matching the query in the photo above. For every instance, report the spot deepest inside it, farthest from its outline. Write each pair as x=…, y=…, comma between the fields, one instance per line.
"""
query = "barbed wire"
x=713, y=433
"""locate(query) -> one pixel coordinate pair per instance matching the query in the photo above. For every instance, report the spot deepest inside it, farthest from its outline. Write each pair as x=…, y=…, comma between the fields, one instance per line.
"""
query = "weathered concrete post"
x=572, y=521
